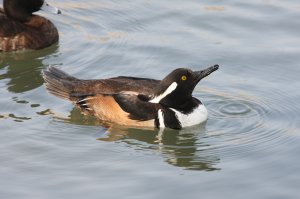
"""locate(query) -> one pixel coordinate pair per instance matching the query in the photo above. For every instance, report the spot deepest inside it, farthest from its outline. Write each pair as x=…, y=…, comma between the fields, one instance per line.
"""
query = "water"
x=248, y=148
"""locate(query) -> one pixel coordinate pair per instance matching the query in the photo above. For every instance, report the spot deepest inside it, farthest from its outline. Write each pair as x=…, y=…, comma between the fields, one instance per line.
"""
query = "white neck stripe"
x=169, y=90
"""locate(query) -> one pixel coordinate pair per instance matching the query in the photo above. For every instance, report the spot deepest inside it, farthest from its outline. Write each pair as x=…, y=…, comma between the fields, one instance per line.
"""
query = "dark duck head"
x=175, y=90
x=22, y=10
x=20, y=29
x=174, y=94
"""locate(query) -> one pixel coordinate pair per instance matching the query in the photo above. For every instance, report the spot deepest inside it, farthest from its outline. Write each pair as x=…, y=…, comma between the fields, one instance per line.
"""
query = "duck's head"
x=22, y=10
x=177, y=87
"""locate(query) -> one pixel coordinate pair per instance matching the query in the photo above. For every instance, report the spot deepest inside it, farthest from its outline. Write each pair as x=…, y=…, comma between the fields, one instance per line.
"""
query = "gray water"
x=248, y=148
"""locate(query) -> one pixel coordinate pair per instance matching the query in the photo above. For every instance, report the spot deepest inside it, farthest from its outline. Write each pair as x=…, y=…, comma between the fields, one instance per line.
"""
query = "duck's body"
x=21, y=30
x=135, y=101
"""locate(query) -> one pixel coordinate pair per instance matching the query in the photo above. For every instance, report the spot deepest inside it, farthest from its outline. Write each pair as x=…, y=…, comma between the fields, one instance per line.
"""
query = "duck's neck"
x=182, y=104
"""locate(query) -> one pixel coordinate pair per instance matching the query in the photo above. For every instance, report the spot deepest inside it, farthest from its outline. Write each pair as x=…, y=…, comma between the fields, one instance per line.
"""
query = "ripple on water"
x=237, y=126
x=235, y=108
x=243, y=124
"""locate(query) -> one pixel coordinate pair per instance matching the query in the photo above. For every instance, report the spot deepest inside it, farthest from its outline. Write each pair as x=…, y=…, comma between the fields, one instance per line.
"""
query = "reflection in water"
x=20, y=72
x=179, y=148
x=182, y=148
x=23, y=69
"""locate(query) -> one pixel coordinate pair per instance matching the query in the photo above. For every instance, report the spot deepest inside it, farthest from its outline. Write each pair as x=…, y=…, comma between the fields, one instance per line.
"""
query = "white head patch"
x=169, y=90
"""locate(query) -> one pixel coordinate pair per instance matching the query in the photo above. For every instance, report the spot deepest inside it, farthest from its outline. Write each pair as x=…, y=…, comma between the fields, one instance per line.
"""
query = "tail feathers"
x=60, y=74
x=59, y=83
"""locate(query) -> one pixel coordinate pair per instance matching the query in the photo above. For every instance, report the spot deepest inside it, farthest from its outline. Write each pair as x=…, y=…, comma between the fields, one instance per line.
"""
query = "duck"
x=20, y=29
x=134, y=101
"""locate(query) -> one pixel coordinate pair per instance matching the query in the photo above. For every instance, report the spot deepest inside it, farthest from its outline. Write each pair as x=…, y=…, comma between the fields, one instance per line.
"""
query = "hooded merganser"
x=135, y=101
x=20, y=29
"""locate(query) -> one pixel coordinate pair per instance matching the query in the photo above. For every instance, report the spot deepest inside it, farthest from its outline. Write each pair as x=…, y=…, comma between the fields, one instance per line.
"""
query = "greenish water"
x=248, y=148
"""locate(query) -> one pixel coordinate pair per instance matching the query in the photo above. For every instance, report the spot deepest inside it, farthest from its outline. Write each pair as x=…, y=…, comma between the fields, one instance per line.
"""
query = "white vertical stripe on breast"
x=161, y=119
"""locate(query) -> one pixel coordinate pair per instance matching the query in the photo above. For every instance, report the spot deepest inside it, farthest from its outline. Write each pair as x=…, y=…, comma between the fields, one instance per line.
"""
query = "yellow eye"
x=183, y=78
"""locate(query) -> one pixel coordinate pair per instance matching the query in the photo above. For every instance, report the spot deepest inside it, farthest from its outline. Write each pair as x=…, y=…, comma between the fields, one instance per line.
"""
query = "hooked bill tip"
x=203, y=73
x=215, y=67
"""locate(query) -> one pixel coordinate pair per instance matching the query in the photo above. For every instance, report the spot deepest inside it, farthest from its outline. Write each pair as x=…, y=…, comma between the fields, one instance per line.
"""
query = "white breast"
x=198, y=116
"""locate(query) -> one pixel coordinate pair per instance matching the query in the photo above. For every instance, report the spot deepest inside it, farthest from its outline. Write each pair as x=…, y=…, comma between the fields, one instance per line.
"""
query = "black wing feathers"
x=138, y=109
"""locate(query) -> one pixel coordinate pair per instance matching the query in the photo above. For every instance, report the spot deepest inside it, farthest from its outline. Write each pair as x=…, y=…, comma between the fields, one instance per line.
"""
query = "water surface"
x=248, y=148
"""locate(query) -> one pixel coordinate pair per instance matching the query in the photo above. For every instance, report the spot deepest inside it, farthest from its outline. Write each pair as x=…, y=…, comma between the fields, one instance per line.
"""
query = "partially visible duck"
x=20, y=29
x=135, y=101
